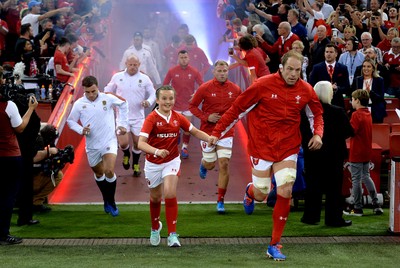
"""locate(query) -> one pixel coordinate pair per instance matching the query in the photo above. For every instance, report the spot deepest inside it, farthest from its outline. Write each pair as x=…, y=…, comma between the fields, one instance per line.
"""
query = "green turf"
x=298, y=255
x=194, y=220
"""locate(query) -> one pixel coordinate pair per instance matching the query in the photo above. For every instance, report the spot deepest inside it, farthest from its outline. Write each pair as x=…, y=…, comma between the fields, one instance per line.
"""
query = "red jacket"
x=273, y=115
x=360, y=144
x=280, y=47
x=215, y=97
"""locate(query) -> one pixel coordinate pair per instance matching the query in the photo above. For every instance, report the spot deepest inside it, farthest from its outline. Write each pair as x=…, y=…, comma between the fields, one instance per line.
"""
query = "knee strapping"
x=224, y=153
x=262, y=184
x=285, y=175
x=209, y=157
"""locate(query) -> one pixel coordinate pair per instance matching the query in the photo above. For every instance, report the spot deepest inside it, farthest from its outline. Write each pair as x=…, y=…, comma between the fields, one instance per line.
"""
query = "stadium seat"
x=392, y=103
x=391, y=117
x=394, y=144
x=380, y=136
x=395, y=127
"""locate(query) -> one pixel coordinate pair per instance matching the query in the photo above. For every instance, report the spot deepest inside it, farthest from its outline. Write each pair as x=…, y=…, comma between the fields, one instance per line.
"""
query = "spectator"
x=360, y=154
x=377, y=28
x=184, y=79
x=334, y=72
x=352, y=57
x=59, y=25
x=34, y=17
x=62, y=68
x=386, y=44
x=374, y=84
x=366, y=39
x=252, y=59
x=391, y=61
x=326, y=177
x=318, y=47
x=315, y=14
x=3, y=34
x=299, y=48
x=284, y=43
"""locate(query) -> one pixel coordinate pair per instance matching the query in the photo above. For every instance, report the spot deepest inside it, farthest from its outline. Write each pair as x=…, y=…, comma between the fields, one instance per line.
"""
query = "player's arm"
x=147, y=148
x=199, y=134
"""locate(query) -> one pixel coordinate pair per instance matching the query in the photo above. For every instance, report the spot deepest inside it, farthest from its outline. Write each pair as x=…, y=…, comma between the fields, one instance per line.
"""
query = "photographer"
x=48, y=163
x=10, y=158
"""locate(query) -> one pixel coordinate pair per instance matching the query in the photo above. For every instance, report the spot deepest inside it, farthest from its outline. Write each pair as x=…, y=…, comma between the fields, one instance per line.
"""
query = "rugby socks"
x=155, y=210
x=185, y=140
x=171, y=213
x=250, y=191
x=221, y=194
x=126, y=151
x=111, y=187
x=102, y=184
x=279, y=218
x=135, y=157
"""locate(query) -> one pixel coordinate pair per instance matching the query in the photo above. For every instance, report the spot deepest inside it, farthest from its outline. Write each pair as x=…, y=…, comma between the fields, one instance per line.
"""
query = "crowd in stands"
x=352, y=27
x=50, y=36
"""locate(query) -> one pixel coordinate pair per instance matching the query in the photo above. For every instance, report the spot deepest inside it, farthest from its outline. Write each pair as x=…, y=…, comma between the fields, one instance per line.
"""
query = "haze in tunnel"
x=163, y=17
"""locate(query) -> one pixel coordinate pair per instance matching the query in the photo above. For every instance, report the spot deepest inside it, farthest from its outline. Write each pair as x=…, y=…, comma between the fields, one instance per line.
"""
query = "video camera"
x=58, y=161
x=16, y=93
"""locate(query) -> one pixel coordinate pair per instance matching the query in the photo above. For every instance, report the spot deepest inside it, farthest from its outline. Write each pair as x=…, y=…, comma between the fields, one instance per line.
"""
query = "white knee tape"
x=209, y=157
x=262, y=184
x=224, y=153
x=285, y=175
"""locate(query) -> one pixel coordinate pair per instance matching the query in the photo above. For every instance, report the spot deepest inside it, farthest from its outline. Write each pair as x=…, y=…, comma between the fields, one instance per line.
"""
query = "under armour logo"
x=213, y=95
x=298, y=99
x=159, y=124
x=177, y=75
x=173, y=169
x=174, y=222
x=274, y=96
x=283, y=218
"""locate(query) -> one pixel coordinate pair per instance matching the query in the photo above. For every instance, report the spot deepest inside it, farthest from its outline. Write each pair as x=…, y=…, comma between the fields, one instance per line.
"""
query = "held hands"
x=212, y=140
x=315, y=143
x=161, y=153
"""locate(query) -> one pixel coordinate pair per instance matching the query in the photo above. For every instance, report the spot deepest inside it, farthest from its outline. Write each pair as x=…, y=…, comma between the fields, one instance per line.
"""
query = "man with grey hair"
x=391, y=61
x=264, y=32
x=366, y=40
x=284, y=42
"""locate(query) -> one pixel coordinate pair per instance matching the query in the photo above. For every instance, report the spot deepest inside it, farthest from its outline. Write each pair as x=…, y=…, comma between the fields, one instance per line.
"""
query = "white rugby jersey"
x=135, y=89
x=99, y=114
x=147, y=62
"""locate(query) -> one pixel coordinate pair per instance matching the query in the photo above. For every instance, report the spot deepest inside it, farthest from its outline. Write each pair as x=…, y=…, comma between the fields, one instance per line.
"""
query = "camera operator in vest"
x=45, y=178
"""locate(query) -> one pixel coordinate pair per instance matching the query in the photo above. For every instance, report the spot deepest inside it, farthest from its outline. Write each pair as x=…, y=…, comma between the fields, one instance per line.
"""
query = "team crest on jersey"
x=108, y=148
x=297, y=99
x=255, y=161
x=230, y=94
x=121, y=79
x=84, y=107
x=175, y=122
x=104, y=105
x=190, y=76
x=140, y=83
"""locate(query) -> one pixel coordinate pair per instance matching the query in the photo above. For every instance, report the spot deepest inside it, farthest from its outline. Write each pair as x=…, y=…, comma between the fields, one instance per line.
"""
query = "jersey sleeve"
x=147, y=126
